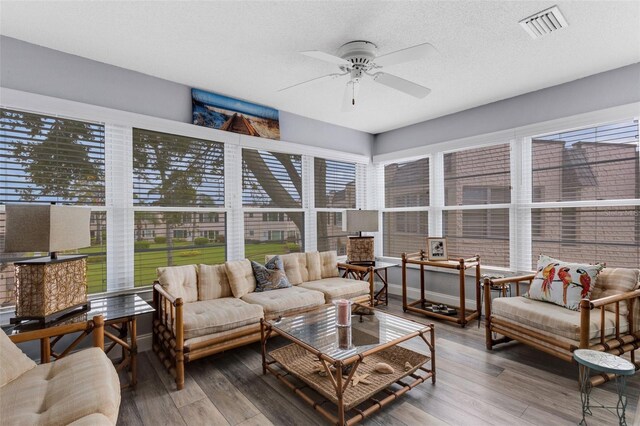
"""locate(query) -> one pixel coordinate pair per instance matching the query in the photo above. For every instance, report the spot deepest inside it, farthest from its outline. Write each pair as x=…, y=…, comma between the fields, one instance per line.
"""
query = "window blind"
x=272, y=233
x=596, y=163
x=330, y=235
x=407, y=184
x=477, y=176
x=177, y=171
x=335, y=184
x=588, y=234
x=404, y=232
x=271, y=179
x=478, y=231
x=176, y=238
x=51, y=159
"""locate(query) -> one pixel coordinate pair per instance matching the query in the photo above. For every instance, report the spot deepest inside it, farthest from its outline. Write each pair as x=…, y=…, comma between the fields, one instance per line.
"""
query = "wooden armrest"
x=358, y=268
x=97, y=324
x=590, y=304
x=162, y=292
x=509, y=280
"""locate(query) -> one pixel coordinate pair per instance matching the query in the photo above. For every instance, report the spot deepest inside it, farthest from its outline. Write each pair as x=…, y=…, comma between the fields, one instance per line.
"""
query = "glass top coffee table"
x=338, y=370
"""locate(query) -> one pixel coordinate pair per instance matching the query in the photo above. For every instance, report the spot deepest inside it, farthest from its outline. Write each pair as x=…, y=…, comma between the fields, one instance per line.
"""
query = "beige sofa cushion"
x=13, y=363
x=180, y=281
x=241, y=277
x=338, y=288
x=295, y=267
x=213, y=282
x=552, y=318
x=93, y=420
x=612, y=281
x=217, y=315
x=329, y=264
x=62, y=392
x=285, y=301
x=314, y=266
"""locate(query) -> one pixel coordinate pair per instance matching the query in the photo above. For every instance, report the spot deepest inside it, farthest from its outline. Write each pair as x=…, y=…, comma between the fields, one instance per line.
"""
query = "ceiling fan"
x=357, y=59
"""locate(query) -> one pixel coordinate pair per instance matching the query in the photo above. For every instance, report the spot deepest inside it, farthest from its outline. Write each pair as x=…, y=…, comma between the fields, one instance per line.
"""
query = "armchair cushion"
x=613, y=281
x=217, y=315
x=180, y=281
x=329, y=264
x=13, y=362
x=213, y=282
x=67, y=390
x=285, y=301
x=241, y=277
x=338, y=288
x=563, y=283
x=552, y=318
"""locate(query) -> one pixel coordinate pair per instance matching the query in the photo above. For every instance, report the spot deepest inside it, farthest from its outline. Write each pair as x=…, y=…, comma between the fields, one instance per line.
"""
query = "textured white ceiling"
x=248, y=49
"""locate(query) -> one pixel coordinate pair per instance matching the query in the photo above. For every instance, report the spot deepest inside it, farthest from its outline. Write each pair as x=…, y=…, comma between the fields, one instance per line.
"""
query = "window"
x=330, y=234
x=478, y=177
x=33, y=150
x=335, y=184
x=271, y=179
x=176, y=171
x=406, y=186
x=596, y=166
x=173, y=239
x=263, y=237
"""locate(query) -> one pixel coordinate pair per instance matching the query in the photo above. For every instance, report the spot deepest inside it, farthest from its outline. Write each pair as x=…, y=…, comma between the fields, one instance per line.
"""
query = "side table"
x=606, y=363
x=119, y=314
x=382, y=295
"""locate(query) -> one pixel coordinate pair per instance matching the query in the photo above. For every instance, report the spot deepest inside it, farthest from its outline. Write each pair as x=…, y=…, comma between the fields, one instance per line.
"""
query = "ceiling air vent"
x=543, y=23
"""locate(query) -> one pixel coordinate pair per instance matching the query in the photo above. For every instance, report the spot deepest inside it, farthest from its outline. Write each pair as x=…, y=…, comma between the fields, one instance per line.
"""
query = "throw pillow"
x=563, y=283
x=271, y=276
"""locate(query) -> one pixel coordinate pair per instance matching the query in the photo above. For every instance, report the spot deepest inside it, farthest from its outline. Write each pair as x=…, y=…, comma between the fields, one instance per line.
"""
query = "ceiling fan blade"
x=402, y=85
x=317, y=54
x=313, y=80
x=420, y=51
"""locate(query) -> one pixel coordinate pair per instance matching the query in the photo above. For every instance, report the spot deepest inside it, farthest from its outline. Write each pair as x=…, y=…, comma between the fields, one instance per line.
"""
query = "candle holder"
x=344, y=337
x=343, y=312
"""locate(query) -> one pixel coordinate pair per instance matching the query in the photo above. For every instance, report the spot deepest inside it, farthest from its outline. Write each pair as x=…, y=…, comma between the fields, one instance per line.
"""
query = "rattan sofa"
x=609, y=321
x=79, y=389
x=205, y=309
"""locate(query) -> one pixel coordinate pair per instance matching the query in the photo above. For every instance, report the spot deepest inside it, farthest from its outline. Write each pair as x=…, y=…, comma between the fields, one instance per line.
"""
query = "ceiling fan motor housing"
x=360, y=53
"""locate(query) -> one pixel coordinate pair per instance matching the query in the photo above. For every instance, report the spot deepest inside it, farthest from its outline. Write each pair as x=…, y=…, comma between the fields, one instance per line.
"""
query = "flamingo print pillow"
x=563, y=283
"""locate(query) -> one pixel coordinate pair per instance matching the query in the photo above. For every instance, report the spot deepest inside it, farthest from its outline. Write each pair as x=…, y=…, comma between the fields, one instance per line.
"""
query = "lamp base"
x=55, y=317
x=360, y=251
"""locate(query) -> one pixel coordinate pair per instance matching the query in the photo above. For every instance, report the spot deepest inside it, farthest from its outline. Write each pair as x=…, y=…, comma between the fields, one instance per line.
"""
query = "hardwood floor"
x=511, y=385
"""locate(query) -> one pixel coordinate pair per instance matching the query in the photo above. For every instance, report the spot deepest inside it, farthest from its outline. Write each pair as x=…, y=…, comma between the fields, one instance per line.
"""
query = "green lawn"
x=147, y=260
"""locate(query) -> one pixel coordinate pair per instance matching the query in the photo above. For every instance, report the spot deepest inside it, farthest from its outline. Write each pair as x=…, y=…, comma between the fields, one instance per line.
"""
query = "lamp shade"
x=46, y=228
x=361, y=221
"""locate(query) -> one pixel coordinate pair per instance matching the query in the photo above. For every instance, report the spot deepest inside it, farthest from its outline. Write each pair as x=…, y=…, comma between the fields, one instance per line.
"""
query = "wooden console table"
x=464, y=316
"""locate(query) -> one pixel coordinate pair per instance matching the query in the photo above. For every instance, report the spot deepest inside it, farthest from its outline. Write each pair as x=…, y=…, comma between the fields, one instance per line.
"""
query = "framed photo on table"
x=437, y=248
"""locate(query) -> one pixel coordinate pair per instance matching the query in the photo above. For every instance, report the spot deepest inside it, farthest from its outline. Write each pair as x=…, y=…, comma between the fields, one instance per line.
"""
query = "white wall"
x=35, y=69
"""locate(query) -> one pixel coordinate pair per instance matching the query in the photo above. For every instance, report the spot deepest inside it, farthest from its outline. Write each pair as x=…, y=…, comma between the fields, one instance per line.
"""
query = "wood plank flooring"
x=511, y=385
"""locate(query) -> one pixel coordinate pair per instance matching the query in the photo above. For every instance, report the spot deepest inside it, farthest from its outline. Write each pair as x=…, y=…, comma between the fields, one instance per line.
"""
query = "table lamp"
x=360, y=250
x=48, y=287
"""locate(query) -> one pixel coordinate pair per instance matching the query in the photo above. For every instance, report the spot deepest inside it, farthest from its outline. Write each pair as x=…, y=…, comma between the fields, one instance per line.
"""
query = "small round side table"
x=605, y=363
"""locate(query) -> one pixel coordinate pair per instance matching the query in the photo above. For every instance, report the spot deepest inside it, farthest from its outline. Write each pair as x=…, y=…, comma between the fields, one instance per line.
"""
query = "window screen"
x=335, y=184
x=596, y=163
x=407, y=184
x=271, y=179
x=405, y=232
x=51, y=159
x=588, y=234
x=176, y=238
x=177, y=171
x=478, y=231
x=272, y=233
x=477, y=176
